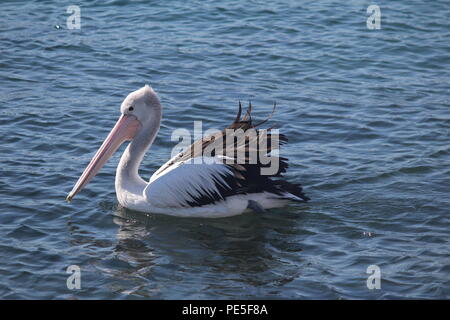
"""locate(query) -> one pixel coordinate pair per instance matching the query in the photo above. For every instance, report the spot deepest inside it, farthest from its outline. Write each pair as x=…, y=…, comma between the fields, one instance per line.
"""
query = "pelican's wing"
x=198, y=147
x=194, y=182
x=186, y=180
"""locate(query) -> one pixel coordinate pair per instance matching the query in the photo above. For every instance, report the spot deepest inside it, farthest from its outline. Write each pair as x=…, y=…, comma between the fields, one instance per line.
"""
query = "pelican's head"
x=140, y=111
x=142, y=104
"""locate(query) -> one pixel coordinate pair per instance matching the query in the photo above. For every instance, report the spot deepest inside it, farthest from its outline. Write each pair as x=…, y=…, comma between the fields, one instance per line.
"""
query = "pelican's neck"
x=129, y=185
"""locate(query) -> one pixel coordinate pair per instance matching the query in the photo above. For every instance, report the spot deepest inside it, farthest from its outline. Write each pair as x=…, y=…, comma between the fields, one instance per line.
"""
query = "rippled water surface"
x=367, y=113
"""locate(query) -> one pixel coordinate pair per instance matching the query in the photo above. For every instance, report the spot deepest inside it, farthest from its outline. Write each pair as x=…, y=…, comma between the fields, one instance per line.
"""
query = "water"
x=366, y=112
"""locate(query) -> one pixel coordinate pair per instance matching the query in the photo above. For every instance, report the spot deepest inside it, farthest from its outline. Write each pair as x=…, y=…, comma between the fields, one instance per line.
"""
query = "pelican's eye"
x=130, y=109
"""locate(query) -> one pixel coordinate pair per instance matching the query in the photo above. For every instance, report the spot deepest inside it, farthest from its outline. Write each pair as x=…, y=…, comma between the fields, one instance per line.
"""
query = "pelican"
x=192, y=183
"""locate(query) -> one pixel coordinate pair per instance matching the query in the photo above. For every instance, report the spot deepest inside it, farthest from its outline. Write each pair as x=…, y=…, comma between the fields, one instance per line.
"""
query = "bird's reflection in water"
x=208, y=252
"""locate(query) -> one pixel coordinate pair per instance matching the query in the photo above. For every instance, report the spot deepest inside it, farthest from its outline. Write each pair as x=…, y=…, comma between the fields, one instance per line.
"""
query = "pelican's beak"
x=125, y=129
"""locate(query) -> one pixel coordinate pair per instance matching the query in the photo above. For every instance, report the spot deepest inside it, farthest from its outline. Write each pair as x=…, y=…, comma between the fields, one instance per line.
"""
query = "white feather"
x=185, y=181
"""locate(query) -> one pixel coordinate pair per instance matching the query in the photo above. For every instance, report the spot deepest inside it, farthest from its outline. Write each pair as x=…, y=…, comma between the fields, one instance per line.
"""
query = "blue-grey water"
x=367, y=113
